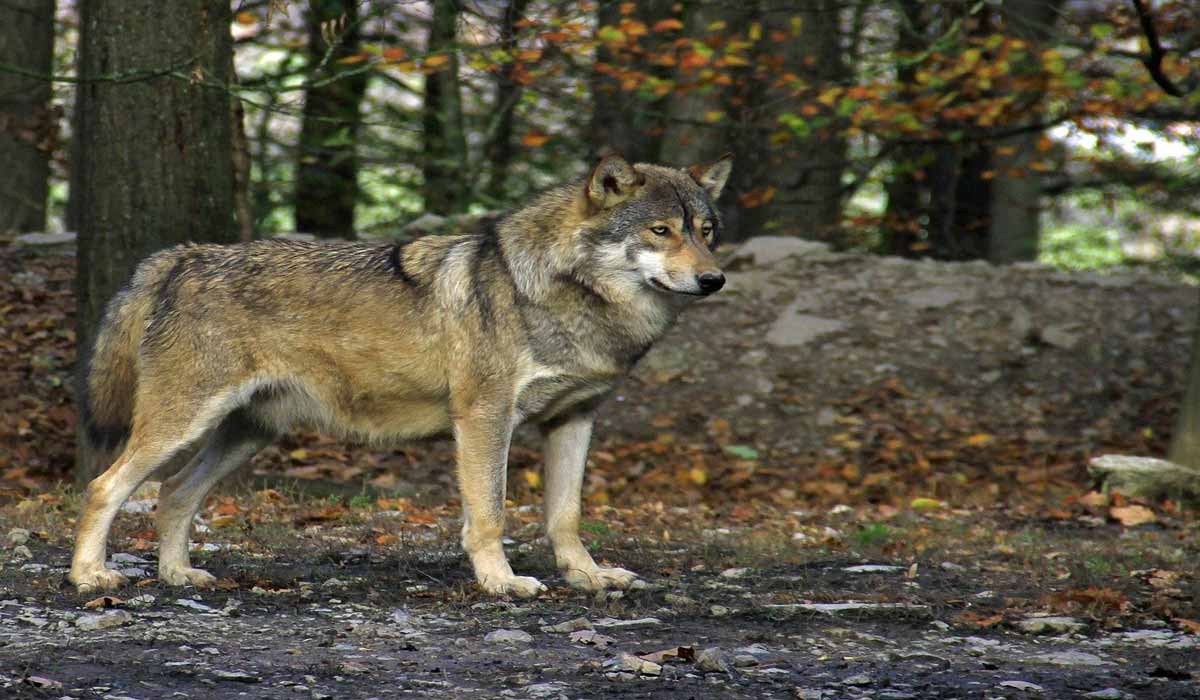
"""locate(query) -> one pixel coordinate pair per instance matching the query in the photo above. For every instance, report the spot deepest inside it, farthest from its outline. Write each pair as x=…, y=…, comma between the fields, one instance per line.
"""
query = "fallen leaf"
x=104, y=601
x=1132, y=516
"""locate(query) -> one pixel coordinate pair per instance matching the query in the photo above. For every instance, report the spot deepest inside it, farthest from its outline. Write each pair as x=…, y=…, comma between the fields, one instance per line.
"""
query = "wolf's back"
x=110, y=374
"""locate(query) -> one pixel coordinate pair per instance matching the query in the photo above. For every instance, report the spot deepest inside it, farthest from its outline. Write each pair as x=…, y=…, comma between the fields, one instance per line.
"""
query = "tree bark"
x=327, y=173
x=902, y=224
x=28, y=127
x=154, y=166
x=1185, y=443
x=445, y=158
x=623, y=121
x=806, y=172
x=1016, y=190
x=508, y=93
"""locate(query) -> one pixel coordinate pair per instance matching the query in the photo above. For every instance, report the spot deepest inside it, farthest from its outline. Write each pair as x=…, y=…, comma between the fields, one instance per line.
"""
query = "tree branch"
x=1154, y=62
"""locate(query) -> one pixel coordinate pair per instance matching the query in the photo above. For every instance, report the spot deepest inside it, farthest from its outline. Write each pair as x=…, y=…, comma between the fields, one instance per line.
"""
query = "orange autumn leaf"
x=394, y=53
x=436, y=61
x=1133, y=515
x=352, y=59
x=246, y=18
x=534, y=139
x=667, y=25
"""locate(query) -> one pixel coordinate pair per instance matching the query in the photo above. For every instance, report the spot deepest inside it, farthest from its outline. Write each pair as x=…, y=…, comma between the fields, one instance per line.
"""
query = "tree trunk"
x=902, y=223
x=1185, y=443
x=327, y=173
x=1016, y=189
x=623, y=121
x=27, y=125
x=155, y=164
x=508, y=93
x=446, y=184
x=805, y=171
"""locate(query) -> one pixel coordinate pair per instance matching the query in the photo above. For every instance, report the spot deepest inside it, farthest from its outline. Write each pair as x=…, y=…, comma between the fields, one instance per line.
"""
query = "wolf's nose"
x=710, y=282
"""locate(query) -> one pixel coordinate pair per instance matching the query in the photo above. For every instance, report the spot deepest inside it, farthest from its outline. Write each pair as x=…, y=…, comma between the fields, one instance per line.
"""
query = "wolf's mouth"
x=662, y=287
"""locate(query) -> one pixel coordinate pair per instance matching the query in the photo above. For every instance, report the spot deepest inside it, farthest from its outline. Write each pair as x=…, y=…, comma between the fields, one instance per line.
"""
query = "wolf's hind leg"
x=148, y=449
x=566, y=457
x=230, y=445
x=483, y=437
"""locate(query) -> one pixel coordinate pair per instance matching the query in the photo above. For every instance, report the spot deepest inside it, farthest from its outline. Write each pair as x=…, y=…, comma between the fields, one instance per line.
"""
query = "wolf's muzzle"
x=710, y=282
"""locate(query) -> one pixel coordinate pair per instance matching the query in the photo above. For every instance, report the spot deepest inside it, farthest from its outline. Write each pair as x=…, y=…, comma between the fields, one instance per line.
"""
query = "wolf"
x=215, y=350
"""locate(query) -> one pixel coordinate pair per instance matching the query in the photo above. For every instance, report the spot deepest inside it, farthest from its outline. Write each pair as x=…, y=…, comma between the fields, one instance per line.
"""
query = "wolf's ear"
x=612, y=181
x=713, y=176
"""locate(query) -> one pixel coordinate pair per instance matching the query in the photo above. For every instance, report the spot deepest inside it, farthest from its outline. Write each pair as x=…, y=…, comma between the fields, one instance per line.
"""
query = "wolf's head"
x=656, y=226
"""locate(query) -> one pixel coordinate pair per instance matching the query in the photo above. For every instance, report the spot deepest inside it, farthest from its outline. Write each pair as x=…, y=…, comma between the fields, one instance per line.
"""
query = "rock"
x=193, y=605
x=679, y=601
x=1070, y=658
x=1146, y=477
x=768, y=250
x=712, y=660
x=744, y=660
x=44, y=239
x=1050, y=625
x=858, y=679
x=734, y=573
x=795, y=329
x=425, y=223
x=334, y=583
x=1108, y=694
x=873, y=569
x=592, y=638
x=1164, y=639
x=236, y=676
x=1023, y=685
x=145, y=505
x=123, y=558
x=854, y=609
x=937, y=297
x=610, y=623
x=21, y=552
x=18, y=536
x=503, y=636
x=573, y=625
x=810, y=694
x=718, y=611
x=112, y=618
x=1061, y=336
x=142, y=601
x=43, y=683
x=545, y=690
x=632, y=664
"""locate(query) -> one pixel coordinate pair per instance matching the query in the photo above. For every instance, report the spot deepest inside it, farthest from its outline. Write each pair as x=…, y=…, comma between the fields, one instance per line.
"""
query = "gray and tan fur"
x=218, y=349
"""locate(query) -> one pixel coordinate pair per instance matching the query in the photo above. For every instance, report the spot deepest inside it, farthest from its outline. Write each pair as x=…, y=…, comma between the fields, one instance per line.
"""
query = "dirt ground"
x=845, y=477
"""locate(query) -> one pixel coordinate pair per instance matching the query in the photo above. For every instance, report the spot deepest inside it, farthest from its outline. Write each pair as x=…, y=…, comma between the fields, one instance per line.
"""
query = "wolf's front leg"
x=483, y=436
x=566, y=457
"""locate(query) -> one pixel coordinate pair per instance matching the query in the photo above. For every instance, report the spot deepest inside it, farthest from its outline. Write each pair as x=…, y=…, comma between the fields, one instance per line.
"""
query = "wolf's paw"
x=96, y=580
x=599, y=578
x=516, y=586
x=187, y=576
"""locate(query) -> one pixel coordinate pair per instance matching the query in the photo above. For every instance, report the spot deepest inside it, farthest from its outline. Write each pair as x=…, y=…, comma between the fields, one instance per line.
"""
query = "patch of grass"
x=874, y=535
x=362, y=500
x=596, y=528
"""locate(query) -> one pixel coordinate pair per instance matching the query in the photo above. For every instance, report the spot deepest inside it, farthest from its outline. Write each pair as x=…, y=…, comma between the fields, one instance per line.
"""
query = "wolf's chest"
x=549, y=393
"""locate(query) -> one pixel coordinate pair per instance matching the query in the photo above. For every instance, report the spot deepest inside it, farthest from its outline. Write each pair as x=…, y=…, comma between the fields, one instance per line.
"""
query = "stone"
x=1070, y=658
x=124, y=558
x=1061, y=336
x=712, y=660
x=634, y=664
x=1108, y=694
x=858, y=679
x=734, y=573
x=573, y=625
x=103, y=621
x=193, y=605
x=1050, y=625
x=44, y=239
x=18, y=536
x=21, y=552
x=937, y=297
x=744, y=660
x=1023, y=685
x=1146, y=477
x=236, y=676
x=768, y=250
x=854, y=609
x=678, y=601
x=795, y=329
x=503, y=636
x=610, y=623
x=873, y=569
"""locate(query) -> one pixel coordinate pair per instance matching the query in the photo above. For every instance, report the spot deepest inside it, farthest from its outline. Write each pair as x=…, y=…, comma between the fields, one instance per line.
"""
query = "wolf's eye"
x=706, y=230
x=660, y=230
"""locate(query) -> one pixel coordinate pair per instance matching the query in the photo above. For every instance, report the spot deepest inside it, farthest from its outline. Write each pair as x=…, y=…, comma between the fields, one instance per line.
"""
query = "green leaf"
x=1102, y=30
x=741, y=451
x=797, y=124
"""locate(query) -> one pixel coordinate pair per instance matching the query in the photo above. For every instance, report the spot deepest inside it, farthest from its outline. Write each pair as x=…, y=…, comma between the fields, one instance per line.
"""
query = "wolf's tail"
x=108, y=382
